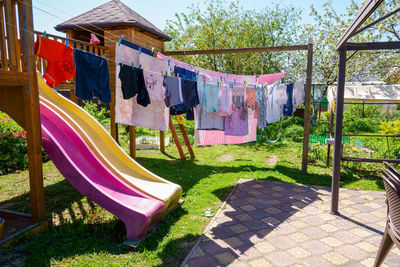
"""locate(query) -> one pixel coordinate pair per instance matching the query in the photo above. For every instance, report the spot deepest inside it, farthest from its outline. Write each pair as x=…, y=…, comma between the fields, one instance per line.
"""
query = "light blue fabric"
x=211, y=97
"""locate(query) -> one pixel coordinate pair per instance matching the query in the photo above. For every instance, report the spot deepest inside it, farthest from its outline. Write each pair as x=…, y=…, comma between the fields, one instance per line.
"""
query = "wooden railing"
x=42, y=64
x=13, y=70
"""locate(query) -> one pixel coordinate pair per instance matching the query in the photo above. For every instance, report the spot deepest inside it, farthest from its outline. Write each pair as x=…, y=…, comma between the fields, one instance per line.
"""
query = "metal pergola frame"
x=343, y=46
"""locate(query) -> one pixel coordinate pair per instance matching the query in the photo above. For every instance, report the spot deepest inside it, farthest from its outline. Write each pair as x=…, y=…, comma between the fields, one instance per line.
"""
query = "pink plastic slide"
x=80, y=166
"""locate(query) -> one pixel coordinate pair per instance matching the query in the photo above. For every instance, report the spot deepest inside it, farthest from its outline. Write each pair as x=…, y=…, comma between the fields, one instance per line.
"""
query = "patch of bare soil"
x=226, y=158
x=271, y=161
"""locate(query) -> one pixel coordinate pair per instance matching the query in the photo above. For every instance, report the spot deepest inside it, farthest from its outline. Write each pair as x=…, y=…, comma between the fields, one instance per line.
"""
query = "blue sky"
x=156, y=11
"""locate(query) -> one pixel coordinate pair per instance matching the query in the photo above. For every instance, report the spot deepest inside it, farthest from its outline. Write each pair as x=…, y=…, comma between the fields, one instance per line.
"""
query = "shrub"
x=295, y=132
x=13, y=148
x=101, y=114
x=391, y=127
x=361, y=125
x=317, y=153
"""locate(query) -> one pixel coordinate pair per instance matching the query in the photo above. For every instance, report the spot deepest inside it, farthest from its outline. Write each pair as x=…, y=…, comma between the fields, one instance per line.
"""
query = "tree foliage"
x=220, y=24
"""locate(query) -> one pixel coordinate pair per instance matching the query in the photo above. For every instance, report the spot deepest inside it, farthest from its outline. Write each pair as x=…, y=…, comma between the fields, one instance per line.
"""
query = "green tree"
x=220, y=24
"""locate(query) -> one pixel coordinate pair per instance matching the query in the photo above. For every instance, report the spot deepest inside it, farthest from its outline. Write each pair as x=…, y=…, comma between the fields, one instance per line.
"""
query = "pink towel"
x=270, y=78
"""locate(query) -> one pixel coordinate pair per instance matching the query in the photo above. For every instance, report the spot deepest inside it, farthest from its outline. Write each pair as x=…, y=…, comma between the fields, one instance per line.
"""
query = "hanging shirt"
x=128, y=77
x=225, y=100
x=298, y=93
x=236, y=124
x=211, y=97
x=173, y=91
x=251, y=97
x=261, y=107
x=92, y=76
x=155, y=116
x=206, y=120
x=238, y=97
x=288, y=107
x=273, y=108
x=60, y=64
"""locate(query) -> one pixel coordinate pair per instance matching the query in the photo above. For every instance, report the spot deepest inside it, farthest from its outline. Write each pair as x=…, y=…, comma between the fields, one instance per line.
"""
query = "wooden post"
x=132, y=141
x=338, y=130
x=32, y=120
x=307, y=107
x=162, y=141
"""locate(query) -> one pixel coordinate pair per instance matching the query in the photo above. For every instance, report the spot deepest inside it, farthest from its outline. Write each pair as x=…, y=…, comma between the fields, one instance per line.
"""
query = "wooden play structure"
x=110, y=22
x=19, y=98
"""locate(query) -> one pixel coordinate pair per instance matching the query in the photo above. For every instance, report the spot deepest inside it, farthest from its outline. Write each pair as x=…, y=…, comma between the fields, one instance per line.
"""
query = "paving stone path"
x=265, y=223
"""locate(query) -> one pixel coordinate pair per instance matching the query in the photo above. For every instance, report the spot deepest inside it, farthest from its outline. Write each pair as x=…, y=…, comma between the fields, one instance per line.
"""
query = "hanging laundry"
x=261, y=107
x=203, y=137
x=92, y=76
x=94, y=40
x=206, y=120
x=154, y=72
x=238, y=97
x=126, y=55
x=298, y=93
x=184, y=73
x=251, y=97
x=136, y=47
x=211, y=97
x=288, y=107
x=273, y=108
x=155, y=116
x=60, y=64
x=173, y=91
x=237, y=124
x=143, y=97
x=190, y=99
x=129, y=81
x=270, y=78
x=225, y=100
x=281, y=96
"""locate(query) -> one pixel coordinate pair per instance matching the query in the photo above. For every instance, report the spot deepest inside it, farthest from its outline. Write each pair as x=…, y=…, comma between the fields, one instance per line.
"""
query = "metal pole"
x=307, y=103
x=338, y=130
x=328, y=154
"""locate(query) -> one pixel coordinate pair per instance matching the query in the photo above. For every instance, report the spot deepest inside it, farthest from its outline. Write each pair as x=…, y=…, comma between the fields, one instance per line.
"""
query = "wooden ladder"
x=185, y=138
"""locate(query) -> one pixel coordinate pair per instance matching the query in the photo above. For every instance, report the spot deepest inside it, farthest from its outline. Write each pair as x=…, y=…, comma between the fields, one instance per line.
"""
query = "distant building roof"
x=113, y=13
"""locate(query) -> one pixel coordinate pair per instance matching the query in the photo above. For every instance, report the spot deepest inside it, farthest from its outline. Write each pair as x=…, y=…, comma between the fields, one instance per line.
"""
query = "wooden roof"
x=113, y=13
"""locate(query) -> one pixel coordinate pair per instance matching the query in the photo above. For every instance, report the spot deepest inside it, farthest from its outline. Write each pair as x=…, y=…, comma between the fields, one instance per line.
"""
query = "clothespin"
x=140, y=50
x=66, y=44
x=120, y=39
x=133, y=65
x=44, y=35
x=227, y=74
x=144, y=67
x=152, y=49
x=80, y=47
x=177, y=75
x=198, y=72
x=169, y=62
x=140, y=66
x=166, y=73
x=234, y=80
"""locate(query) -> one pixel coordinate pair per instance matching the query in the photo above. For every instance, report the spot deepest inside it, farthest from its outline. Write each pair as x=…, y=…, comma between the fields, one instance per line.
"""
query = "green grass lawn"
x=86, y=234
